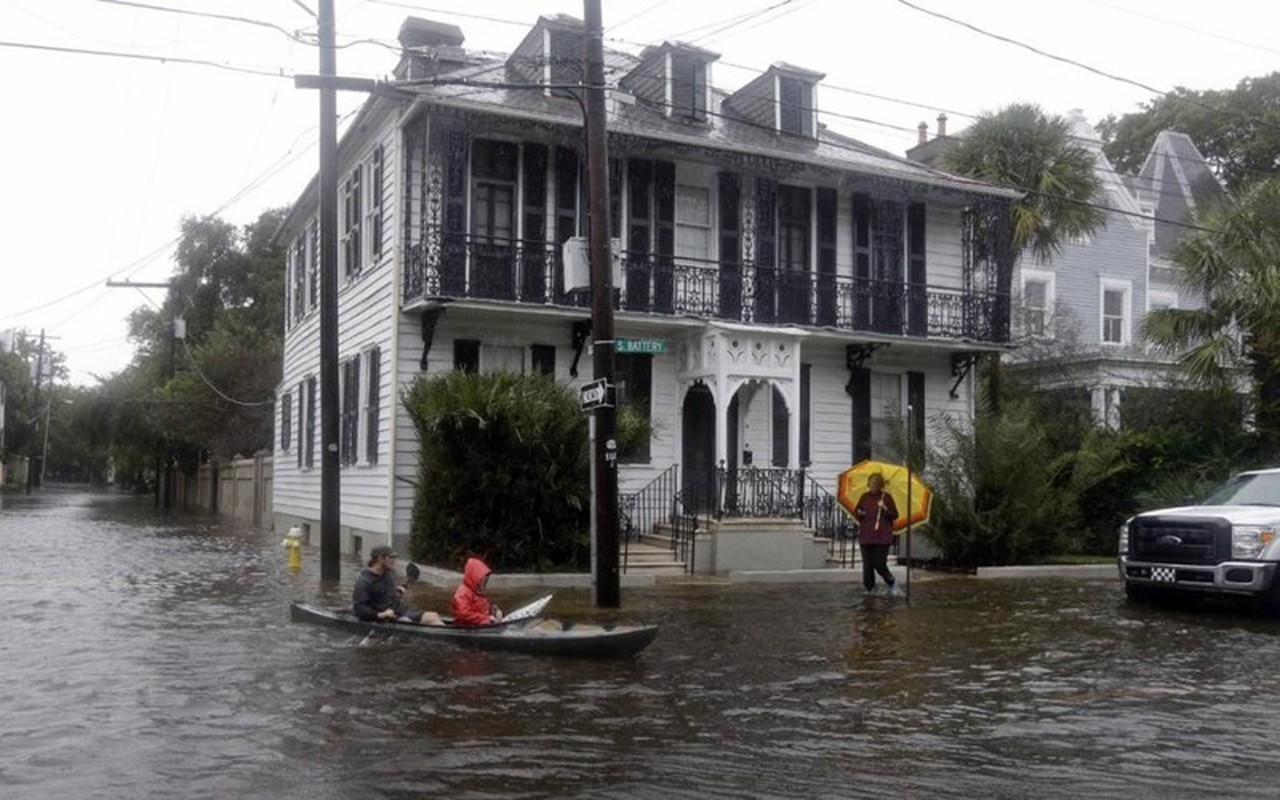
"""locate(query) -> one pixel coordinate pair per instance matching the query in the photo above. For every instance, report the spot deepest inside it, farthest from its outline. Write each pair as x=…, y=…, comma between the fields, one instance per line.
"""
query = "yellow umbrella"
x=897, y=478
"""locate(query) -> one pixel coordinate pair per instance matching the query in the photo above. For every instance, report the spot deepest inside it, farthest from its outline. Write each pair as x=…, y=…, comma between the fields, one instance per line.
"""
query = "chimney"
x=923, y=137
x=942, y=126
x=419, y=32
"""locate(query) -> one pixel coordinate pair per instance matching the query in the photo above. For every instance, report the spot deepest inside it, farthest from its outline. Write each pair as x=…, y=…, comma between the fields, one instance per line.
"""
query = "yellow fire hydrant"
x=293, y=543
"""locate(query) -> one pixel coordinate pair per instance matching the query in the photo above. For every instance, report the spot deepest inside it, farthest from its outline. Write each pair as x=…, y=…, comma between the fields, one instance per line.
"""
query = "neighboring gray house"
x=783, y=294
x=1078, y=316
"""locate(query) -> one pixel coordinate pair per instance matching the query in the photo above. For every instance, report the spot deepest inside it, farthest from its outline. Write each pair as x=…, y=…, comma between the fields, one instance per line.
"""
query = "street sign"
x=645, y=346
x=596, y=394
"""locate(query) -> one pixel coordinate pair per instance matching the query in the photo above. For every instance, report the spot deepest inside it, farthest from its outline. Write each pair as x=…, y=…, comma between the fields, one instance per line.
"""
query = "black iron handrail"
x=454, y=265
x=654, y=507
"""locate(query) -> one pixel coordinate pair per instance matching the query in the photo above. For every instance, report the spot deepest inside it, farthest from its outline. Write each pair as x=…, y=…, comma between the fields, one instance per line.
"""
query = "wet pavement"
x=146, y=655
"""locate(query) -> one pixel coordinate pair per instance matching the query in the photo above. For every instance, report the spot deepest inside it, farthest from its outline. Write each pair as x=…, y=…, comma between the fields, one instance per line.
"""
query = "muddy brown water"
x=146, y=655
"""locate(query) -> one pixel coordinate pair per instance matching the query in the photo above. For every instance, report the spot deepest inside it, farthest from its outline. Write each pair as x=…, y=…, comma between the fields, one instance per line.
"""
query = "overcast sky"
x=104, y=155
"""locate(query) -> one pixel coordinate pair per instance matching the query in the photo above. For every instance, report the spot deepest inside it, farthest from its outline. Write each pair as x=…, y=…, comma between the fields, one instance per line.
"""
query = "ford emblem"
x=1169, y=540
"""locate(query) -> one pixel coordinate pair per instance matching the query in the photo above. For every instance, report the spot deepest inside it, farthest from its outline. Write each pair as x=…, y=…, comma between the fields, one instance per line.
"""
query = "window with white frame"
x=1037, y=302
x=886, y=409
x=372, y=394
x=1115, y=312
x=693, y=222
x=351, y=224
x=374, y=177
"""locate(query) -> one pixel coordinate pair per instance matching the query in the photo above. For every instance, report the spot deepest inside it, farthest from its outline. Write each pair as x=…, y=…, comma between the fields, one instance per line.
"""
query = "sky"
x=122, y=118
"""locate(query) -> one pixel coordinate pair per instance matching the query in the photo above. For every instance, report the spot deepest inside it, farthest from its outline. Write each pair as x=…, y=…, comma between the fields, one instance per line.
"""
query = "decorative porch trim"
x=961, y=364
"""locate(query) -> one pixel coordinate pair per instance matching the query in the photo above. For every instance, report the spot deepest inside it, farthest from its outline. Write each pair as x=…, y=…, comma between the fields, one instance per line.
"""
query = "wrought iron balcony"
x=460, y=266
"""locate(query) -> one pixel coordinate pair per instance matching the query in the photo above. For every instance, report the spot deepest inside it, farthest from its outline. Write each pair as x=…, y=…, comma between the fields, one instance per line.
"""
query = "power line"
x=143, y=57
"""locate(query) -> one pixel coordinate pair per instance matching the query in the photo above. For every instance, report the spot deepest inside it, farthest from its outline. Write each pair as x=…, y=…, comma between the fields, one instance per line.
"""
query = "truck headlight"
x=1248, y=541
x=1124, y=540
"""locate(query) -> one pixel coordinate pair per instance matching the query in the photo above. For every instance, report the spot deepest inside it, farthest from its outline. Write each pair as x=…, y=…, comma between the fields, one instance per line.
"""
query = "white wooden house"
x=782, y=293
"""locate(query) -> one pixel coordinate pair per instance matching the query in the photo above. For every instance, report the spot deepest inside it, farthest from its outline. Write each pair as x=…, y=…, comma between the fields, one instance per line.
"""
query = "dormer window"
x=688, y=87
x=673, y=79
x=551, y=56
x=564, y=61
x=783, y=99
x=795, y=106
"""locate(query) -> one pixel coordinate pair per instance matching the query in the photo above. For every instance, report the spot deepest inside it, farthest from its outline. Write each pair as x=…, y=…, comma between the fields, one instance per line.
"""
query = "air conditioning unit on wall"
x=577, y=263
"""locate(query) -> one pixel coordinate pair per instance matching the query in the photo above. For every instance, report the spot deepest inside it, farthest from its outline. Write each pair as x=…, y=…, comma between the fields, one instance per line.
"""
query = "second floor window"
x=693, y=222
x=1035, y=298
x=493, y=191
x=373, y=205
x=351, y=223
x=1114, y=316
x=793, y=228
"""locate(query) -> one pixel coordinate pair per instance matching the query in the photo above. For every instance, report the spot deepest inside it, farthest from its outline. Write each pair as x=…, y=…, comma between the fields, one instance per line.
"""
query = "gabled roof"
x=1177, y=179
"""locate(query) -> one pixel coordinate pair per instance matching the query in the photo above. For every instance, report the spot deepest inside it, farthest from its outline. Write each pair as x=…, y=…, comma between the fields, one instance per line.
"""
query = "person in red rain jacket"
x=875, y=513
x=470, y=607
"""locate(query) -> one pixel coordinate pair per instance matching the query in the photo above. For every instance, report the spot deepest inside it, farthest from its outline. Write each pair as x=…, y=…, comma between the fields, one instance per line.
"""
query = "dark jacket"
x=875, y=525
x=470, y=606
x=374, y=593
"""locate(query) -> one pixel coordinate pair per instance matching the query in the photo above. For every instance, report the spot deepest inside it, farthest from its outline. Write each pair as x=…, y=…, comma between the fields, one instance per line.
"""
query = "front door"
x=698, y=453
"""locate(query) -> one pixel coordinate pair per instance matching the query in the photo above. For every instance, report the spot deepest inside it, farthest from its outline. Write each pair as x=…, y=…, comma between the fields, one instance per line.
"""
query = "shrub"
x=503, y=471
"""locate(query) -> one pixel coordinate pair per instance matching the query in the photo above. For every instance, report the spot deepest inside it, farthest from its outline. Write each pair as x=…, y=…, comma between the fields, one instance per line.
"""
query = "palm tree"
x=1023, y=148
x=1234, y=262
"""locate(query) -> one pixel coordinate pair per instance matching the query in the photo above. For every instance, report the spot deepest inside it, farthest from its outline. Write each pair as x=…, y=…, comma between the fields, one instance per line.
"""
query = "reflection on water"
x=152, y=656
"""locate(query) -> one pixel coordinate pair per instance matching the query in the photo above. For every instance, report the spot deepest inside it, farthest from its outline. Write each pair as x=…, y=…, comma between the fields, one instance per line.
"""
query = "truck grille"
x=1177, y=540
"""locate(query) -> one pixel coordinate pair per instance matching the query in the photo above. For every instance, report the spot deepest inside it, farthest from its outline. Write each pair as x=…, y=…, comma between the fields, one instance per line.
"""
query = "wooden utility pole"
x=605, y=446
x=330, y=483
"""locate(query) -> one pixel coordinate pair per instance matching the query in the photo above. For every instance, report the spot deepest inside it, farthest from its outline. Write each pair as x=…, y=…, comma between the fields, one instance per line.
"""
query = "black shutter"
x=543, y=358
x=453, y=148
x=915, y=399
x=826, y=256
x=533, y=260
x=639, y=233
x=806, y=371
x=730, y=245
x=375, y=403
x=917, y=276
x=664, y=202
x=861, y=262
x=859, y=390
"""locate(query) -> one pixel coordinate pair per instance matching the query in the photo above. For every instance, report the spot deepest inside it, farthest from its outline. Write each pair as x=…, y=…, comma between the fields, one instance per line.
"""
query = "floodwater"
x=145, y=655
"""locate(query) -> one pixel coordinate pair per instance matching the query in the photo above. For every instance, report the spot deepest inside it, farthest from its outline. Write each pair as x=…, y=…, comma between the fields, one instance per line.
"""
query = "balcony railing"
x=462, y=266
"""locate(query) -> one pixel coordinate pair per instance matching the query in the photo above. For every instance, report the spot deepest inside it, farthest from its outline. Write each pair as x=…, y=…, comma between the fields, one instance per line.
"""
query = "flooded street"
x=152, y=656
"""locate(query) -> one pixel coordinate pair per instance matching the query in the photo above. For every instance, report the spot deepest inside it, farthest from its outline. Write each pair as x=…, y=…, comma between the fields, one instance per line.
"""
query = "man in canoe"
x=377, y=597
x=470, y=606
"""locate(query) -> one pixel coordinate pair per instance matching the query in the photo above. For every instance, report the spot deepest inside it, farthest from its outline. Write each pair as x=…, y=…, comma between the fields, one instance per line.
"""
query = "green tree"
x=1234, y=261
x=211, y=389
x=1023, y=148
x=503, y=471
x=1236, y=130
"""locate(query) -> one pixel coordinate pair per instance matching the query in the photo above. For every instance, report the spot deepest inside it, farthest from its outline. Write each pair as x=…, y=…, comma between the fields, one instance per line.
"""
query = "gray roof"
x=478, y=86
x=1178, y=181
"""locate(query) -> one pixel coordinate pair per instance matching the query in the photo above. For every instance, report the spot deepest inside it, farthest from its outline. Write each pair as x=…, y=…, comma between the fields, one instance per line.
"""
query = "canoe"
x=533, y=635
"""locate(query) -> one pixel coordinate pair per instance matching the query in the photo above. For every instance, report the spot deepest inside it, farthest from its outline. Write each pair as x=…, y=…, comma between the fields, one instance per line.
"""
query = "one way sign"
x=596, y=394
